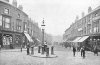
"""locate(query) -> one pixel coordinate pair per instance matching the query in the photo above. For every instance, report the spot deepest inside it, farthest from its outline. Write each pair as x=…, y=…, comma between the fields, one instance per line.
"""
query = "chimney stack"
x=20, y=7
x=14, y=3
x=89, y=9
x=82, y=14
x=76, y=18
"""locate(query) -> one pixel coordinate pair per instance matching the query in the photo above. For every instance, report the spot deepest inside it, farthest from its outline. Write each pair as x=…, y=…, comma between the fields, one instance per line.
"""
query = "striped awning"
x=28, y=37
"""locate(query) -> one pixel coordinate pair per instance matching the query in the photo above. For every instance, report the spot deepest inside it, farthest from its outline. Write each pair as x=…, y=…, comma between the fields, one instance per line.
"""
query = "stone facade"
x=13, y=23
x=87, y=25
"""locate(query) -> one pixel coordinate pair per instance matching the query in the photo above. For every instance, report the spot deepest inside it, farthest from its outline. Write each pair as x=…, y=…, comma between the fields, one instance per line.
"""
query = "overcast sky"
x=58, y=14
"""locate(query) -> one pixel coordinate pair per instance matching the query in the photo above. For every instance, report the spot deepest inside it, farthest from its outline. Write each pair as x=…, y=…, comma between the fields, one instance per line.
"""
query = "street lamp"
x=43, y=25
x=43, y=28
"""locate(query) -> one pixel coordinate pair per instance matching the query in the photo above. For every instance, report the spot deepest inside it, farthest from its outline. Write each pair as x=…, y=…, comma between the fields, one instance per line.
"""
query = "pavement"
x=16, y=50
x=65, y=57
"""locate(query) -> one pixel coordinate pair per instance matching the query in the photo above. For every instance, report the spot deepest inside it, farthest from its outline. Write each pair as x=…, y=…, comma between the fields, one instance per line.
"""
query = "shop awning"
x=83, y=38
x=77, y=39
x=28, y=37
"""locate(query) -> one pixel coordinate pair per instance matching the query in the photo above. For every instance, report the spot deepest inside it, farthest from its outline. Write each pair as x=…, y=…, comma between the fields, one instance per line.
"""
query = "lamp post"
x=43, y=25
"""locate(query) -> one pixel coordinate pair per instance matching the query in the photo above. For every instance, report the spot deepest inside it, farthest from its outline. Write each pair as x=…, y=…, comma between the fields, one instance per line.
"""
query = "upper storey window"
x=6, y=21
x=18, y=15
x=6, y=11
x=0, y=20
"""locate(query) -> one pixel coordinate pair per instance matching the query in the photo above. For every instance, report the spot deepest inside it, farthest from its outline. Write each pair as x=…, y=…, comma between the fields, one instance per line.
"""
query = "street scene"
x=49, y=32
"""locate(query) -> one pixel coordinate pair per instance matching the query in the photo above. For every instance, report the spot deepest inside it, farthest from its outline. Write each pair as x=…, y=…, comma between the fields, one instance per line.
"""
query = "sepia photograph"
x=49, y=32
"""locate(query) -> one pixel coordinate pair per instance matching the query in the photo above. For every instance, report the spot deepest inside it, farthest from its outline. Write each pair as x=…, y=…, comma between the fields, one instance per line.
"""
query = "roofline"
x=97, y=8
x=12, y=6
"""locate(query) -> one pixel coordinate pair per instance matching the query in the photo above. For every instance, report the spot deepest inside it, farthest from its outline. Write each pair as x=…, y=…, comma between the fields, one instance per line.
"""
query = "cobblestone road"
x=65, y=57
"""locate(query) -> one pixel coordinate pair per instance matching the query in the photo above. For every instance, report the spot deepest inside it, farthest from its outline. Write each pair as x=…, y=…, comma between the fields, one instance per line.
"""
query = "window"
x=99, y=13
x=25, y=26
x=6, y=11
x=18, y=15
x=90, y=30
x=85, y=30
x=28, y=30
x=32, y=33
x=13, y=26
x=18, y=25
x=96, y=14
x=0, y=20
x=6, y=21
x=7, y=40
x=96, y=29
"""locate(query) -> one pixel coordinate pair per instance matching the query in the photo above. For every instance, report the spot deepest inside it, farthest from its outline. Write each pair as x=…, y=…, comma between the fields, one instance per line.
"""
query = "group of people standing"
x=28, y=49
x=82, y=51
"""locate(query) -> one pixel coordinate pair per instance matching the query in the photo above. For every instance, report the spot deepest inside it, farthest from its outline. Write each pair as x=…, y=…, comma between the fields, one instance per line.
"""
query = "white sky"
x=58, y=14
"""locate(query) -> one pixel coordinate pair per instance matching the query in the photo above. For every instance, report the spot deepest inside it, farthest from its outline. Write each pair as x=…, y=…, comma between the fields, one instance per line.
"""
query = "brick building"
x=13, y=23
x=87, y=28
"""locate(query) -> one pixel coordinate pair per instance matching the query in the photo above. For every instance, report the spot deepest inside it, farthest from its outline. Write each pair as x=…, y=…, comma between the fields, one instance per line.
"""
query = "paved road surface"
x=65, y=57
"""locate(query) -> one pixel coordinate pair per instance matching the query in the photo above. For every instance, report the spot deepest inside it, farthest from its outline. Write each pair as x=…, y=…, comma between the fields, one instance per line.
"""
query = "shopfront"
x=10, y=39
x=17, y=40
x=7, y=40
x=95, y=41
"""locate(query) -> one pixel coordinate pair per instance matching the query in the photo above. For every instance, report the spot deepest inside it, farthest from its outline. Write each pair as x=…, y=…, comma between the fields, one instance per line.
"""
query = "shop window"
x=7, y=40
x=0, y=20
x=4, y=40
x=6, y=11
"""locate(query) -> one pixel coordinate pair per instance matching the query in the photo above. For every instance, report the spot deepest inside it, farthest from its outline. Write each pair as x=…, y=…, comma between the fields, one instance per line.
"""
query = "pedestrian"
x=95, y=51
x=32, y=49
x=83, y=52
x=28, y=46
x=21, y=48
x=0, y=47
x=74, y=50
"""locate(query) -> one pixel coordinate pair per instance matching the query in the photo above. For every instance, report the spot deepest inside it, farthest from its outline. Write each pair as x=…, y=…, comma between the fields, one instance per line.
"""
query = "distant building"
x=48, y=38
